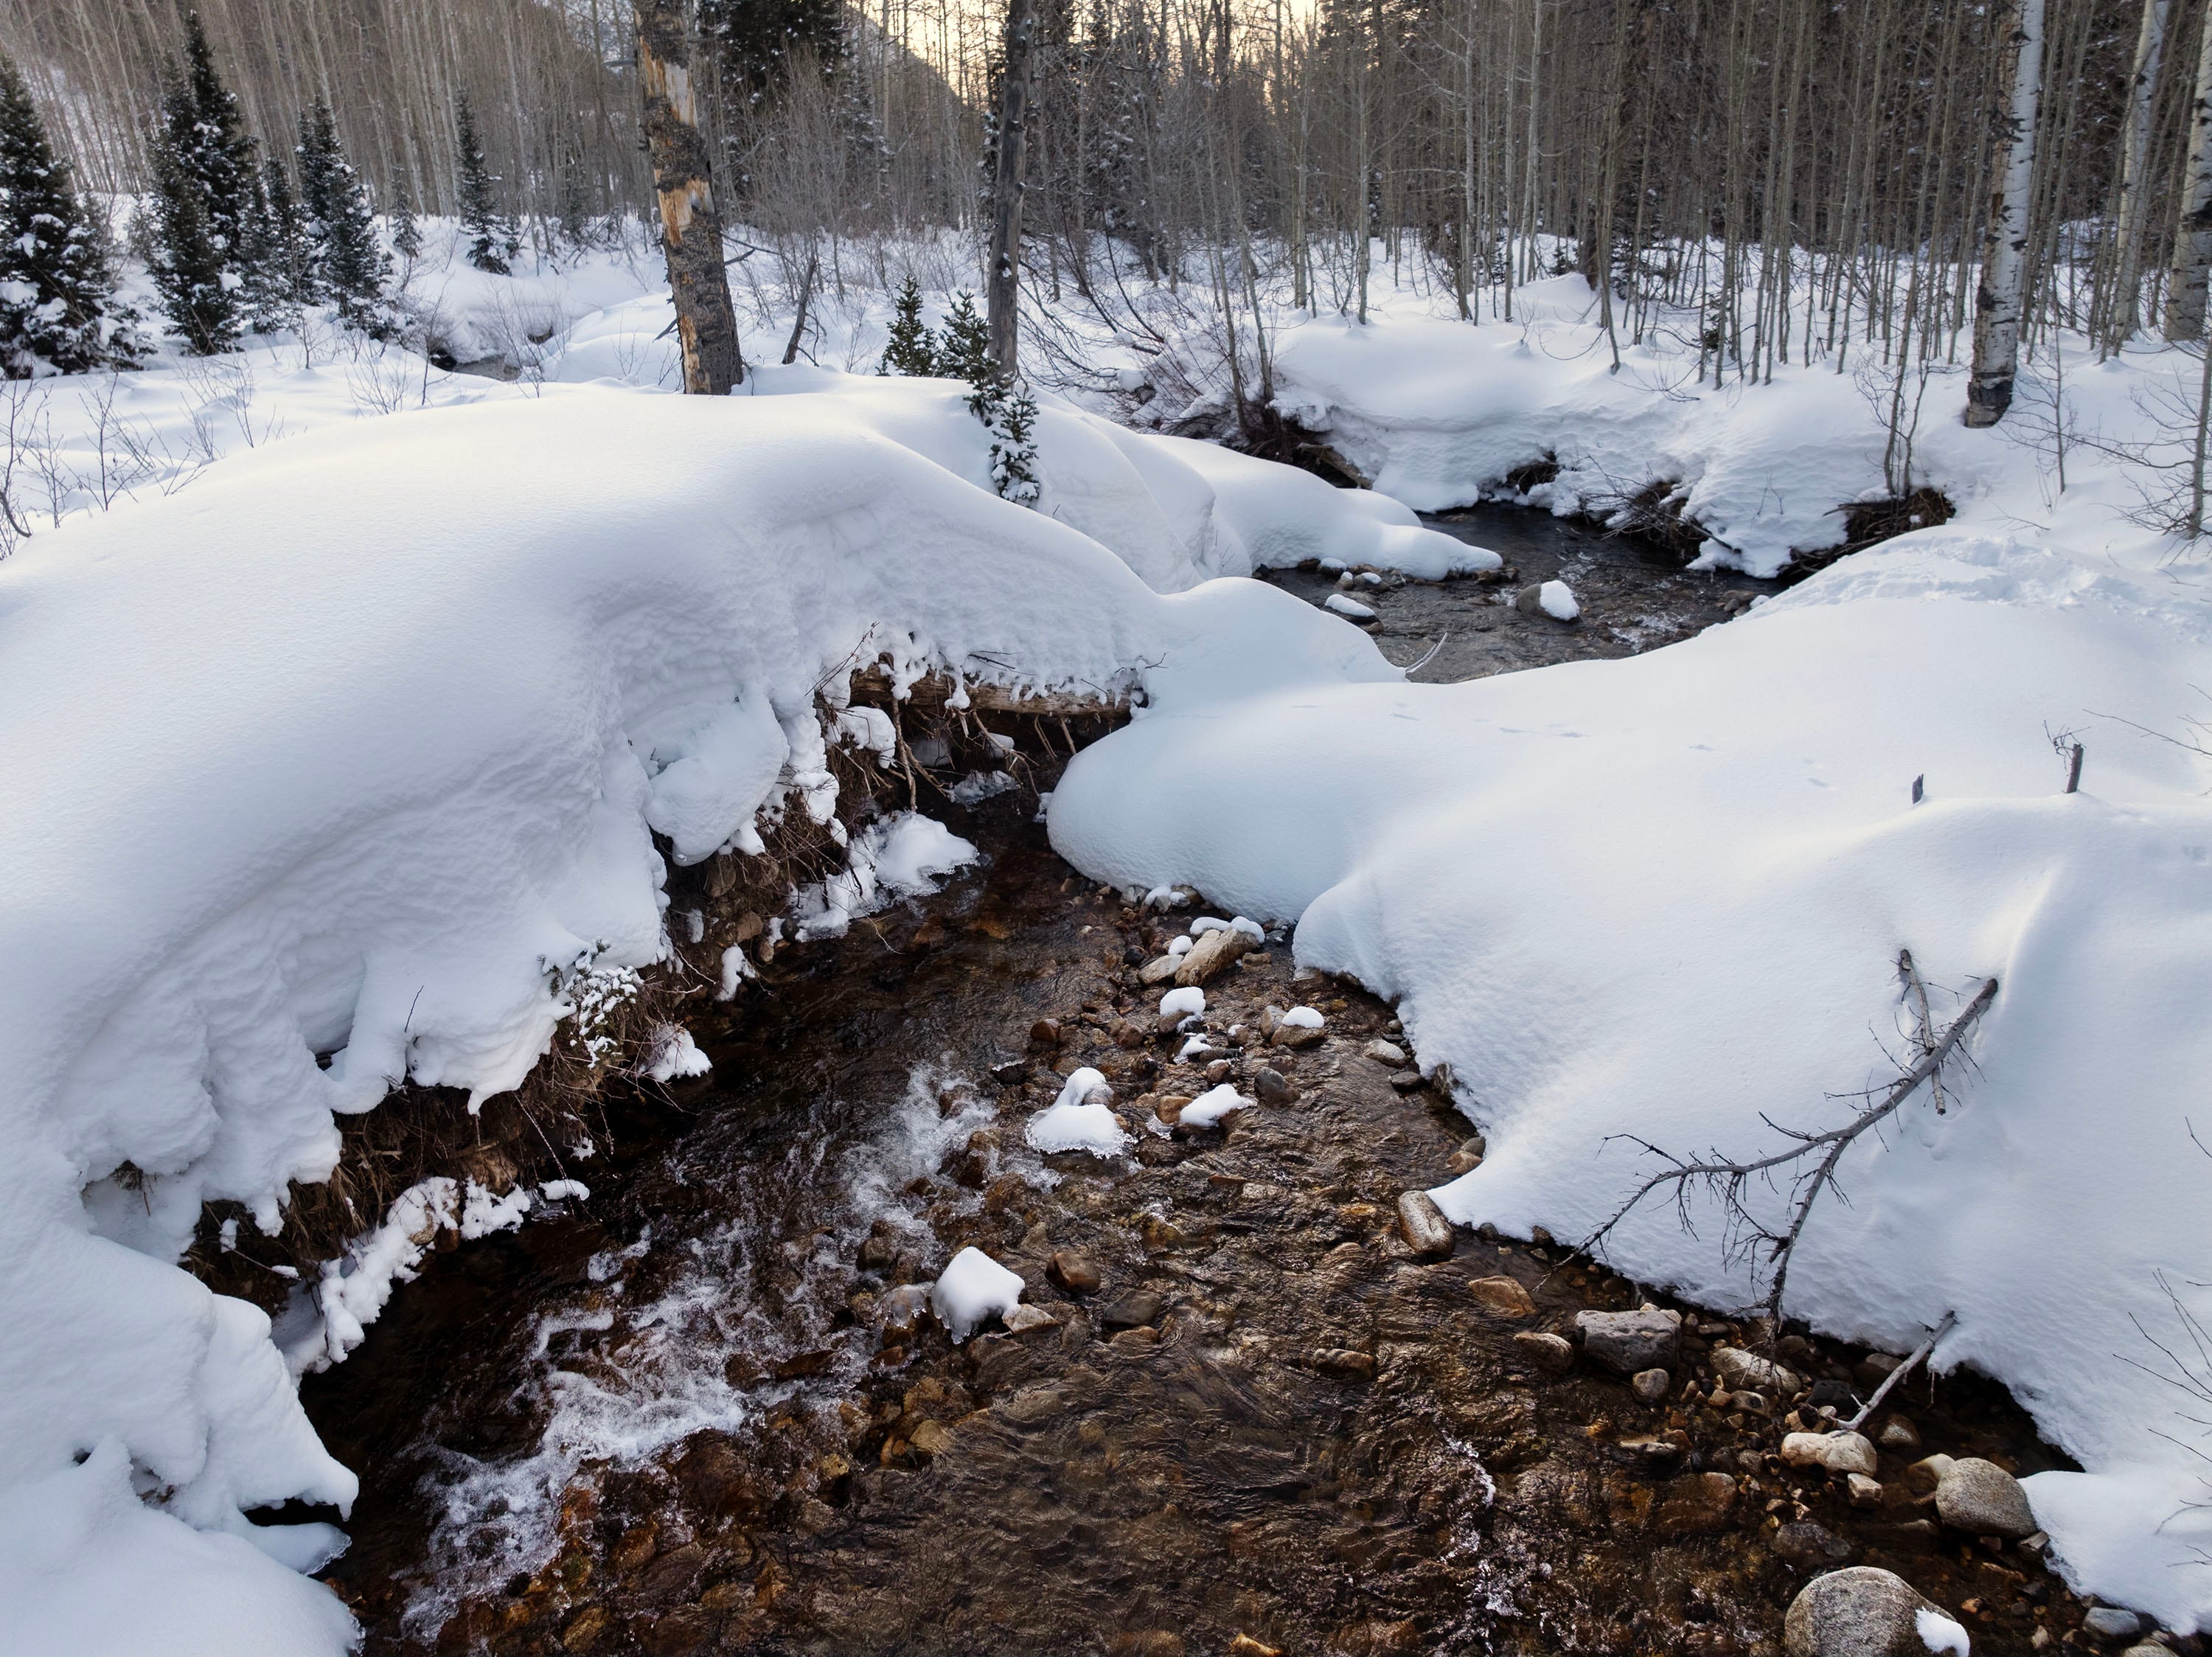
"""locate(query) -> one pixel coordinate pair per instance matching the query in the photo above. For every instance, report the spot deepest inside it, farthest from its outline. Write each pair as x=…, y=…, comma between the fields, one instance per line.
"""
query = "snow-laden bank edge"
x=353, y=753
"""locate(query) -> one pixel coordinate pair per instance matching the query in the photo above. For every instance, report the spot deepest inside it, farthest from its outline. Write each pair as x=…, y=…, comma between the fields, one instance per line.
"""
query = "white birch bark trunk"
x=2004, y=244
x=2135, y=157
x=2192, y=236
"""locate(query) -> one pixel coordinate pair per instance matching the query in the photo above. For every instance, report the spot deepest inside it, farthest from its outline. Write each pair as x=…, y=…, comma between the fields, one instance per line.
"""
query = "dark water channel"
x=701, y=1410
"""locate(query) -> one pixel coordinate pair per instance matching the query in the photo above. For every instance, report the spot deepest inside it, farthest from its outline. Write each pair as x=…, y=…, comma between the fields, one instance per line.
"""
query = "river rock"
x=1859, y=1612
x=1271, y=1087
x=1133, y=1311
x=1807, y=1546
x=1552, y=1354
x=1650, y=1385
x=1695, y=1501
x=1840, y=1453
x=1160, y=969
x=1898, y=1434
x=1298, y=1035
x=1423, y=1225
x=1747, y=1371
x=1626, y=1341
x=1210, y=956
x=1504, y=1297
x=2111, y=1623
x=1982, y=1499
x=1024, y=1318
x=1078, y=1273
x=1386, y=1052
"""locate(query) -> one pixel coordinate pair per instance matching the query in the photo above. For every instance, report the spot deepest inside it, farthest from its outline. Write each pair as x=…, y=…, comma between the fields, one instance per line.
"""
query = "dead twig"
x=1727, y=1178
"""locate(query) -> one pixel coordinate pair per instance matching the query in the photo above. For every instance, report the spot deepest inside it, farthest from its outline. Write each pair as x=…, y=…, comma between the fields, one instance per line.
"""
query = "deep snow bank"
x=1665, y=895
x=1436, y=413
x=350, y=751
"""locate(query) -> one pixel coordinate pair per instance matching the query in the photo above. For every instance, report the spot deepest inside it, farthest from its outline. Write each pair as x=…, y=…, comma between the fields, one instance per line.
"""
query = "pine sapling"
x=406, y=231
x=910, y=349
x=349, y=267
x=492, y=240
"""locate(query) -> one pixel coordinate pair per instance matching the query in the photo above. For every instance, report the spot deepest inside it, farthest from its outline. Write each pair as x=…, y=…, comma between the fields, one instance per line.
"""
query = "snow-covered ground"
x=337, y=708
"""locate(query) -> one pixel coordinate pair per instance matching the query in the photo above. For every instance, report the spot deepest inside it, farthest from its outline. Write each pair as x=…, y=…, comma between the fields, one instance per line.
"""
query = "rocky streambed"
x=1255, y=1397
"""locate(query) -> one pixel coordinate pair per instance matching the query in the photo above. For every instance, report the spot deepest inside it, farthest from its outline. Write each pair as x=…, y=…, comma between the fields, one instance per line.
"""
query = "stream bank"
x=700, y=1409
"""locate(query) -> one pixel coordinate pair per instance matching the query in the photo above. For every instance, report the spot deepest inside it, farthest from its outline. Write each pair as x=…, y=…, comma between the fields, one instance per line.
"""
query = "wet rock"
x=1149, y=1642
x=1739, y=1369
x=1651, y=1450
x=682, y=1630
x=1026, y=1319
x=1924, y=1475
x=1160, y=969
x=1133, y=1311
x=1553, y=1354
x=1385, y=1053
x=1046, y=1032
x=1807, y=1546
x=1864, y=1492
x=1899, y=1434
x=1504, y=1297
x=587, y=1630
x=1423, y=1225
x=1296, y=1036
x=1272, y=1088
x=1377, y=1638
x=673, y=1572
x=1694, y=1502
x=1859, y=1612
x=1650, y=1385
x=1837, y=1453
x=1626, y=1341
x=1245, y=1646
x=930, y=1438
x=1981, y=1498
x=1345, y=1364
x=1460, y=1163
x=1411, y=1081
x=2111, y=1623
x=636, y=1546
x=1210, y=956
x=1011, y=1074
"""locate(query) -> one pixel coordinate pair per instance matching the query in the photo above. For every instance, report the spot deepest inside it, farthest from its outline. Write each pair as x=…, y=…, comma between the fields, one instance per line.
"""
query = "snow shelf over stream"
x=345, y=749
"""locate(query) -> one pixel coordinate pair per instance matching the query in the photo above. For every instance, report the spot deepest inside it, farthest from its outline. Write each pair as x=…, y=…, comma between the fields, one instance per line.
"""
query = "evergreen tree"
x=203, y=187
x=1009, y=414
x=57, y=307
x=278, y=265
x=492, y=240
x=348, y=267
x=758, y=40
x=966, y=353
x=910, y=349
x=406, y=233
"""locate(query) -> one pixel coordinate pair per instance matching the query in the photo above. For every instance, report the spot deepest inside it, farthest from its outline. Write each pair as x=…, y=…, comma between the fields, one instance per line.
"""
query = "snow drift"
x=1665, y=895
x=321, y=774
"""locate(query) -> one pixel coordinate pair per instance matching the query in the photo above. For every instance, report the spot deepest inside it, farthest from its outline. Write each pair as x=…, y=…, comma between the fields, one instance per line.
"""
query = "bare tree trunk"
x=2192, y=238
x=690, y=225
x=2004, y=245
x=2135, y=157
x=1010, y=151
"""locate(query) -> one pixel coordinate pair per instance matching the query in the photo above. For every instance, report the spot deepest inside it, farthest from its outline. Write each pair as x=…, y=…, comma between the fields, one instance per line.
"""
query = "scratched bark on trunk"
x=690, y=224
x=1003, y=294
x=2004, y=246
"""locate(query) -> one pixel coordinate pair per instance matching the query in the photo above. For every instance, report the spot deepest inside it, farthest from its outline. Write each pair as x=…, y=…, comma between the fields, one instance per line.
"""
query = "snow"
x=343, y=702
x=1080, y=1119
x=674, y=1056
x=1557, y=600
x=1188, y=999
x=1302, y=1018
x=1940, y=1634
x=972, y=1289
x=351, y=750
x=1338, y=604
x=1210, y=1106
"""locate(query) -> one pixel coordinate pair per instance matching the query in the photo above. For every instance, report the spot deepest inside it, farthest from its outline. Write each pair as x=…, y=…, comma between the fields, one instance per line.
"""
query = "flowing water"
x=704, y=1409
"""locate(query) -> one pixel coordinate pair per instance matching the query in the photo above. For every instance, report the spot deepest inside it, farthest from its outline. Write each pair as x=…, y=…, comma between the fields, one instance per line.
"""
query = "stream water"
x=703, y=1409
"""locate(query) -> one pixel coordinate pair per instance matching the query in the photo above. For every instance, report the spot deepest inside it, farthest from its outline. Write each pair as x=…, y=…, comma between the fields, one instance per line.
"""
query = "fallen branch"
x=1919, y=1355
x=1726, y=1177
